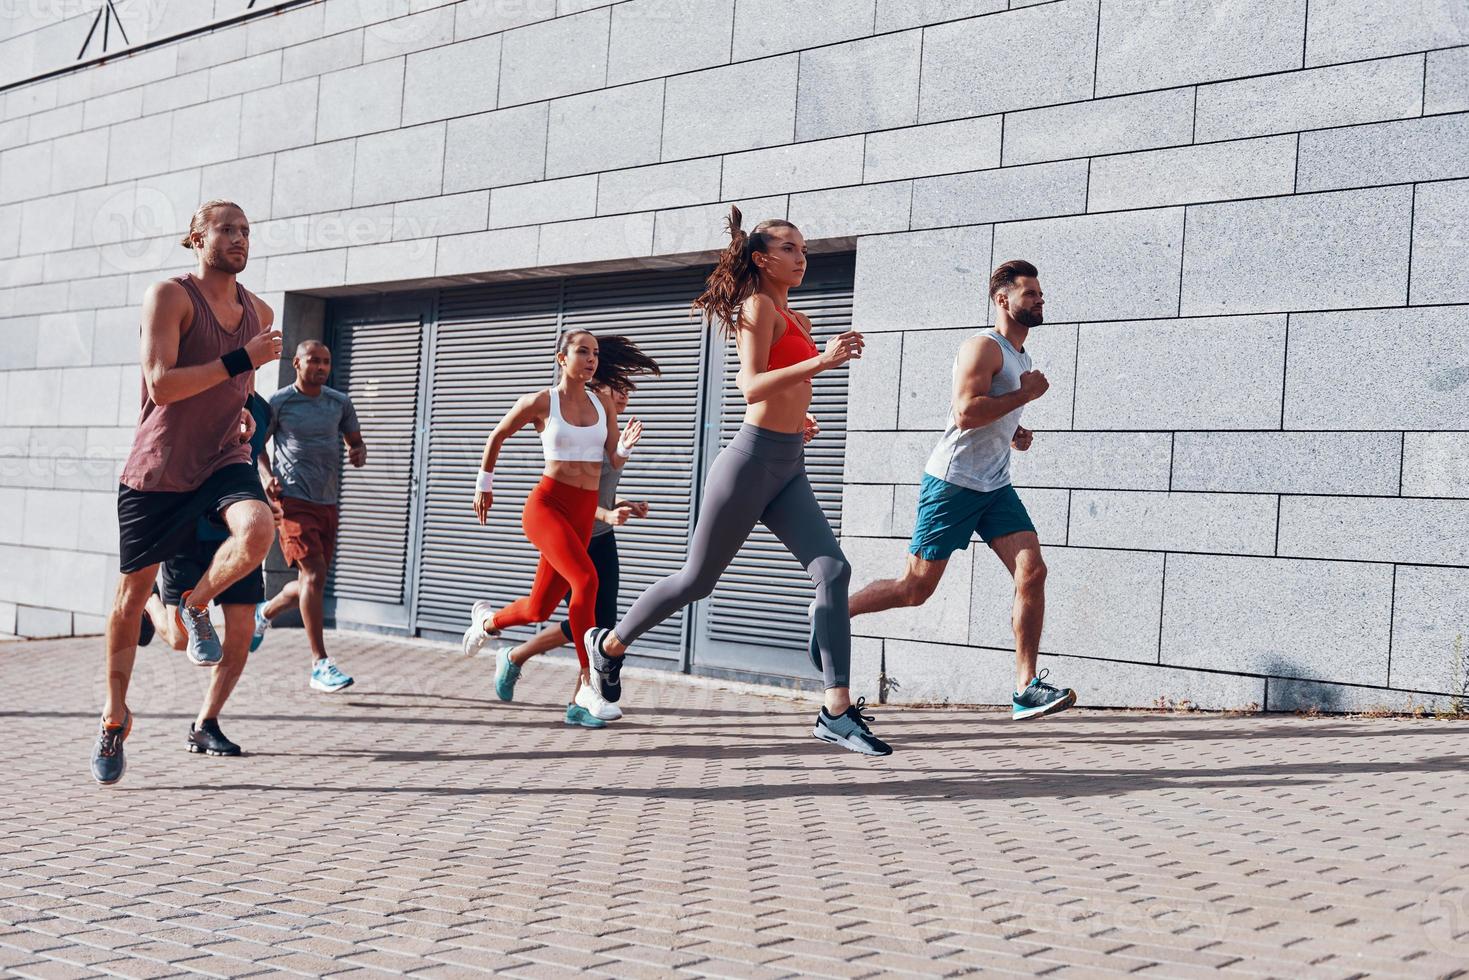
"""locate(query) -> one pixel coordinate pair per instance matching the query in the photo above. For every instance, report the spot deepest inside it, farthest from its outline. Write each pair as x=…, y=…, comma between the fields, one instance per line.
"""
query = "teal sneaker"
x=850, y=730
x=577, y=715
x=261, y=625
x=203, y=648
x=326, y=677
x=108, y=760
x=1040, y=699
x=506, y=674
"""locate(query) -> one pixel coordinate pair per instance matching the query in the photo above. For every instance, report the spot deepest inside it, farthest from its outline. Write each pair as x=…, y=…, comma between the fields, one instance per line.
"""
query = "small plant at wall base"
x=1459, y=703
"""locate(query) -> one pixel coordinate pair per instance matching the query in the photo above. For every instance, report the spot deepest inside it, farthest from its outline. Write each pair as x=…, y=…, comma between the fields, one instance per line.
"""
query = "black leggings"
x=759, y=477
x=602, y=549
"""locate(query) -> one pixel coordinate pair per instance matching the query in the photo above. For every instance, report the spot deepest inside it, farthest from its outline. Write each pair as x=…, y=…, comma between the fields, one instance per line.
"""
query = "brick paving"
x=414, y=824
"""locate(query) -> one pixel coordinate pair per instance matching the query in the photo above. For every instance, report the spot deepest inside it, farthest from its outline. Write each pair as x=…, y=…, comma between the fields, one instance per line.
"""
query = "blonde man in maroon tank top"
x=203, y=336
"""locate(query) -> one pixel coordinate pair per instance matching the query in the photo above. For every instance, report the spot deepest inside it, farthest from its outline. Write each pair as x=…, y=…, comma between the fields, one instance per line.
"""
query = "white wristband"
x=623, y=451
x=485, y=481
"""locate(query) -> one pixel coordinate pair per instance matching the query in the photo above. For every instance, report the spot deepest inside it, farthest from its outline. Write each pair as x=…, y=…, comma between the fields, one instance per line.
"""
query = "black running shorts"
x=153, y=526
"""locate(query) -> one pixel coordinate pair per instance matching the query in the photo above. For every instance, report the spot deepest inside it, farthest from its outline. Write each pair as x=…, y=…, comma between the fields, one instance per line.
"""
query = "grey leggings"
x=759, y=477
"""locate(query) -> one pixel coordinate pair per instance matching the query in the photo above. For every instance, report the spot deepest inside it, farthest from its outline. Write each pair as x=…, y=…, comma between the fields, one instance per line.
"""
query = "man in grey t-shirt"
x=309, y=422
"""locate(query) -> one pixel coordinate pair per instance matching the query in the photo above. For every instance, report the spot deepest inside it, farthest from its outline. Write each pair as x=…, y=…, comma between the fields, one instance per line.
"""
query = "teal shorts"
x=949, y=515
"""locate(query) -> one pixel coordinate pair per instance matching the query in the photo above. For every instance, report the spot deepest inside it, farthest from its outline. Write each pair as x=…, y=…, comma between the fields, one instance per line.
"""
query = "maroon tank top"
x=180, y=445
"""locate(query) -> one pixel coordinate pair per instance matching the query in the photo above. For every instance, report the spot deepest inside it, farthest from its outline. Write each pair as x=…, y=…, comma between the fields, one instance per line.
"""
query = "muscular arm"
x=526, y=411
x=978, y=362
x=166, y=310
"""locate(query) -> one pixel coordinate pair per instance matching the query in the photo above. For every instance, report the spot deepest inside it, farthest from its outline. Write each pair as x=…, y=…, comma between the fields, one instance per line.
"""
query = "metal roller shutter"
x=377, y=365
x=491, y=345
x=762, y=598
x=652, y=310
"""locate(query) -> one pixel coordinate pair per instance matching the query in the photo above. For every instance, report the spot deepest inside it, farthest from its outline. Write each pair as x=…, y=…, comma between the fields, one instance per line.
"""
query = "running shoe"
x=203, y=648
x=1040, y=699
x=577, y=715
x=506, y=674
x=108, y=760
x=326, y=677
x=596, y=705
x=849, y=730
x=606, y=671
x=207, y=739
x=261, y=625
x=476, y=636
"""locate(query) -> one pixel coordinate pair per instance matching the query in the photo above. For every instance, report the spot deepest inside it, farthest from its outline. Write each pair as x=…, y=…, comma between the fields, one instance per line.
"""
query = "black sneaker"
x=1040, y=699
x=606, y=671
x=209, y=740
x=849, y=730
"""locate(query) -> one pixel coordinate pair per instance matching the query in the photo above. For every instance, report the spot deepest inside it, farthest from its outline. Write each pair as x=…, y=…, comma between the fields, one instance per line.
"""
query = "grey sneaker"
x=108, y=760
x=606, y=671
x=506, y=674
x=1040, y=699
x=850, y=731
x=203, y=648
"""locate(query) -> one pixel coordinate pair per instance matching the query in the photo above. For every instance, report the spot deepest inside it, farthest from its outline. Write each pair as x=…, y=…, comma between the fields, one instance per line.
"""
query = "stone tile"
x=654, y=38
x=245, y=75
x=550, y=200
x=876, y=374
x=859, y=86
x=937, y=148
x=1117, y=125
x=596, y=239
x=1313, y=252
x=867, y=510
x=306, y=270
x=1150, y=46
x=512, y=248
x=390, y=261
x=953, y=264
x=1131, y=376
x=1446, y=87
x=1440, y=243
x=479, y=17
x=1414, y=384
x=496, y=148
x=701, y=228
x=1010, y=194
x=1340, y=30
x=279, y=117
x=1216, y=523
x=1098, y=603
x=247, y=182
x=1078, y=256
x=696, y=120
x=1096, y=460
x=454, y=80
x=608, y=130
x=1341, y=95
x=1436, y=464
x=79, y=160
x=321, y=56
x=799, y=167
x=449, y=214
x=1191, y=174
x=667, y=185
x=1030, y=57
x=850, y=211
x=767, y=27
x=1298, y=695
x=555, y=57
x=431, y=27
x=1287, y=462
x=1285, y=618
x=405, y=163
x=1432, y=148
x=313, y=178
x=895, y=15
x=1373, y=529
x=136, y=148
x=366, y=99
x=1430, y=641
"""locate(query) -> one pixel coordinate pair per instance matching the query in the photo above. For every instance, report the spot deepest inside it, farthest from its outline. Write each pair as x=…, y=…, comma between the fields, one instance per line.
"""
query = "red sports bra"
x=793, y=347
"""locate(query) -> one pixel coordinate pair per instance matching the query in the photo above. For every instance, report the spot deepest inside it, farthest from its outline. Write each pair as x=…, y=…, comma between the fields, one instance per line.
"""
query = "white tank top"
x=574, y=443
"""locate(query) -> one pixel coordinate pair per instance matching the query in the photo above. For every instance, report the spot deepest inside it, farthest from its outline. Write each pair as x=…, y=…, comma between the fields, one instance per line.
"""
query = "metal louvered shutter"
x=491, y=345
x=653, y=311
x=762, y=598
x=377, y=365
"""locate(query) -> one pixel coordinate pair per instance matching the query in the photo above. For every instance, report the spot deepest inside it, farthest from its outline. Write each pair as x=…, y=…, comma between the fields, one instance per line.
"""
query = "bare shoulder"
x=168, y=302
x=537, y=403
x=758, y=310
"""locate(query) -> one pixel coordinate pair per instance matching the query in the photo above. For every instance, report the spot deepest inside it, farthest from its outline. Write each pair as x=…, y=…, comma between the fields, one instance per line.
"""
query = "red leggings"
x=558, y=520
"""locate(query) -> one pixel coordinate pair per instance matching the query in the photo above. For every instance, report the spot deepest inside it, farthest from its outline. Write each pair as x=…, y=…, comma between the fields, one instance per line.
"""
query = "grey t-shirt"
x=308, y=441
x=606, y=494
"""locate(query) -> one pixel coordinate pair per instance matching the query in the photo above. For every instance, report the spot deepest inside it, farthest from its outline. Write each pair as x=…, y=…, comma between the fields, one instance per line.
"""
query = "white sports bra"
x=563, y=441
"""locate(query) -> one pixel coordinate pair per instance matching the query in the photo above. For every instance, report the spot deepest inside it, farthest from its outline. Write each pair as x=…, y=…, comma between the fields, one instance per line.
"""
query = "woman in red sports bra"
x=760, y=477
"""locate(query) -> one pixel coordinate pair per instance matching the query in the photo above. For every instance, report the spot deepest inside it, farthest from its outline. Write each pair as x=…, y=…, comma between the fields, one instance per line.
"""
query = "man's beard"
x=1027, y=318
x=225, y=262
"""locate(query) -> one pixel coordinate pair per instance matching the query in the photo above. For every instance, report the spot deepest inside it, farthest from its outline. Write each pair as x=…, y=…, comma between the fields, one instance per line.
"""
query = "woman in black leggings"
x=761, y=475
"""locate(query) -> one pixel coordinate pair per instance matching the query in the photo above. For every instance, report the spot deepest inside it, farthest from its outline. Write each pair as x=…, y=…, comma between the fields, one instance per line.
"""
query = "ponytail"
x=736, y=277
x=618, y=361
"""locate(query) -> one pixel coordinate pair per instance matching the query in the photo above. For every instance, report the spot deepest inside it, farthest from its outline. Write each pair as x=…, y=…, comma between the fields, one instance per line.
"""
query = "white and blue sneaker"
x=1040, y=699
x=850, y=730
x=326, y=677
x=261, y=625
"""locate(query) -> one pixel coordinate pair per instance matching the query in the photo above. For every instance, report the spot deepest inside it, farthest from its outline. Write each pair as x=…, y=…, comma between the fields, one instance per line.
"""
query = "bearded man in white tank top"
x=966, y=483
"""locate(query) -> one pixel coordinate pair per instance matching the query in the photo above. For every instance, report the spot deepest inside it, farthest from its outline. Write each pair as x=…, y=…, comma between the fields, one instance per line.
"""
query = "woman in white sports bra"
x=577, y=421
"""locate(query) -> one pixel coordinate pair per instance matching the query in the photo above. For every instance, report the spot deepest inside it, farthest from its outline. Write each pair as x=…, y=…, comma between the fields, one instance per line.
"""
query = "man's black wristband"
x=237, y=361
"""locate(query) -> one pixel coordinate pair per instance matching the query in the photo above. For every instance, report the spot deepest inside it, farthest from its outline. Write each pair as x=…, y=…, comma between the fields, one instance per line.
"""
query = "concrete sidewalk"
x=414, y=824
